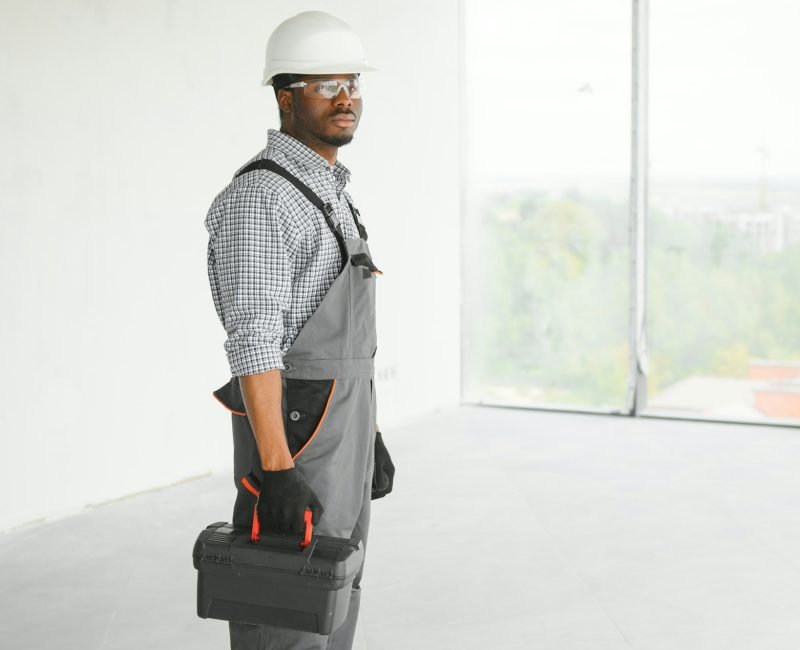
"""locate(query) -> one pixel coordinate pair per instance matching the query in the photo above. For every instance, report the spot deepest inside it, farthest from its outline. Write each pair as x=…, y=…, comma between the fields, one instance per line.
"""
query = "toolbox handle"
x=251, y=483
x=255, y=530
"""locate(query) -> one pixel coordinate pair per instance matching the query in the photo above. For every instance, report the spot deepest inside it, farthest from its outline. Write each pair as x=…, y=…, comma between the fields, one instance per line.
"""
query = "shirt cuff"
x=249, y=360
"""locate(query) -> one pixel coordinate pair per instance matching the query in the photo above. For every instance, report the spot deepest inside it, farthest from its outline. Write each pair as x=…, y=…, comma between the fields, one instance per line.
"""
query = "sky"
x=548, y=88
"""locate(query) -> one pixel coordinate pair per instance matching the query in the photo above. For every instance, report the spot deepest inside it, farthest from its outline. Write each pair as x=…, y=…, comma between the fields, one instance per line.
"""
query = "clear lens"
x=329, y=88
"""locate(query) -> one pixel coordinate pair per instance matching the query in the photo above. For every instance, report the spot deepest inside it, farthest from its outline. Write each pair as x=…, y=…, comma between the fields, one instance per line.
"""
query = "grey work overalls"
x=329, y=411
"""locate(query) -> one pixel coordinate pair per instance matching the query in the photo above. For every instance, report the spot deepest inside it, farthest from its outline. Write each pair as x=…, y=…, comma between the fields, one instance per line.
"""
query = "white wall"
x=120, y=122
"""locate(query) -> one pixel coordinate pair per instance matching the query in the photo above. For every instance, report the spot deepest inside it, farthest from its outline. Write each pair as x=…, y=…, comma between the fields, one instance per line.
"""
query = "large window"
x=547, y=99
x=549, y=266
x=724, y=210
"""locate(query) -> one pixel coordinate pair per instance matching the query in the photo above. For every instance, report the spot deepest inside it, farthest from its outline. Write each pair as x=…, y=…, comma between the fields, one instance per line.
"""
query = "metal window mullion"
x=636, y=400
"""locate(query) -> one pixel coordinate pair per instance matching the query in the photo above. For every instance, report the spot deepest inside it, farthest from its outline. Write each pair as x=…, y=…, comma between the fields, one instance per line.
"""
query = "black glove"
x=284, y=497
x=383, y=474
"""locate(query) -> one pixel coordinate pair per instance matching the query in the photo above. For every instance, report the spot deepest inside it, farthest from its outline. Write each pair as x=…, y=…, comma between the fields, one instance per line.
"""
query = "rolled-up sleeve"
x=251, y=273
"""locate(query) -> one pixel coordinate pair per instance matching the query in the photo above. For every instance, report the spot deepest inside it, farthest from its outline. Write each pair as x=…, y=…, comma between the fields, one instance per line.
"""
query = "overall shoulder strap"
x=356, y=214
x=272, y=166
x=325, y=208
x=305, y=190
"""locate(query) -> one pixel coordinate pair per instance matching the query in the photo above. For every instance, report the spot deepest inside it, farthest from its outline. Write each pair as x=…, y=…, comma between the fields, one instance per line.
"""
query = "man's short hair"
x=282, y=80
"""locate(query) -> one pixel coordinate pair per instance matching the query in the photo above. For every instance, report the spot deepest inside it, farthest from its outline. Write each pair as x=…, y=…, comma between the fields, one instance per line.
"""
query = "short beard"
x=336, y=140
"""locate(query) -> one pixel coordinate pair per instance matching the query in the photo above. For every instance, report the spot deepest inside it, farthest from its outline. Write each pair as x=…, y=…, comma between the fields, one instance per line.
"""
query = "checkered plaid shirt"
x=271, y=256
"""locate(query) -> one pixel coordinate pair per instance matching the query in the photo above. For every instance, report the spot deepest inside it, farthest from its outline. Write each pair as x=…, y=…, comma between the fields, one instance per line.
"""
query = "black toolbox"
x=274, y=581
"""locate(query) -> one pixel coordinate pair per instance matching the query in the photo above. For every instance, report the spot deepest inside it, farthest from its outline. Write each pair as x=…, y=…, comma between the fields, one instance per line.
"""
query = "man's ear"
x=285, y=99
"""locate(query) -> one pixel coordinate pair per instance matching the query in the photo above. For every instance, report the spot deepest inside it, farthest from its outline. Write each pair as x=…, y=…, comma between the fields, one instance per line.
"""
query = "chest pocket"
x=365, y=262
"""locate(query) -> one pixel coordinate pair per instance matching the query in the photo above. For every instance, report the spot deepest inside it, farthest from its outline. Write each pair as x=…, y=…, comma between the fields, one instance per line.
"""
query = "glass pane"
x=547, y=181
x=724, y=210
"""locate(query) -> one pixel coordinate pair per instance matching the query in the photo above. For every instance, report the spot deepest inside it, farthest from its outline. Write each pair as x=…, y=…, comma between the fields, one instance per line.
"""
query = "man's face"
x=332, y=121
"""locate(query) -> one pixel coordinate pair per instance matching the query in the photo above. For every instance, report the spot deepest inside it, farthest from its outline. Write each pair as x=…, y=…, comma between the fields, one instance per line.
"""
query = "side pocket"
x=230, y=397
x=307, y=404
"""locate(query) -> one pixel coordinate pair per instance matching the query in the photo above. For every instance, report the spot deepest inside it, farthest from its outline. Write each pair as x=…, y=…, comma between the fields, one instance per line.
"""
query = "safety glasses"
x=329, y=88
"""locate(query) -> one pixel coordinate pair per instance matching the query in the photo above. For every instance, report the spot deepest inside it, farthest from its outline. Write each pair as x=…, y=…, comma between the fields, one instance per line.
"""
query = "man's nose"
x=342, y=98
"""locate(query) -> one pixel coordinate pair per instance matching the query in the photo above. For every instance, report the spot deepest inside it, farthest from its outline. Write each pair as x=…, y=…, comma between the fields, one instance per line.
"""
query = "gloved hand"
x=283, y=500
x=383, y=474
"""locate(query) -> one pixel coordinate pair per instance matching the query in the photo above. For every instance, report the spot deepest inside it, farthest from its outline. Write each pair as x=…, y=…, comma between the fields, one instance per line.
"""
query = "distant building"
x=766, y=230
x=769, y=231
x=771, y=391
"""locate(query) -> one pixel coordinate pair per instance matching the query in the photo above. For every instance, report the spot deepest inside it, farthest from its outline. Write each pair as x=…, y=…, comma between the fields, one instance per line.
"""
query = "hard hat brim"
x=314, y=68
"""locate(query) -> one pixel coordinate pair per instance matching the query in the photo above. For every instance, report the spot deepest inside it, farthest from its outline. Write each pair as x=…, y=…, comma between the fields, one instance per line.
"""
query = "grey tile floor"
x=507, y=529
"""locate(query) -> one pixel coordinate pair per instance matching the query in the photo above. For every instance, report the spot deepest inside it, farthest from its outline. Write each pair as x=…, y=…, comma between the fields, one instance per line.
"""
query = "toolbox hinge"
x=316, y=572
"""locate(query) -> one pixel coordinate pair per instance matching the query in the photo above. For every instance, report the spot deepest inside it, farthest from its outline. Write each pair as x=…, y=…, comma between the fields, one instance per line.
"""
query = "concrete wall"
x=120, y=121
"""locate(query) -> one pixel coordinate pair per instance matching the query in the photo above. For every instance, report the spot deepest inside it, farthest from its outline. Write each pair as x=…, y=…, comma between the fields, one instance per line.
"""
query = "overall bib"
x=329, y=411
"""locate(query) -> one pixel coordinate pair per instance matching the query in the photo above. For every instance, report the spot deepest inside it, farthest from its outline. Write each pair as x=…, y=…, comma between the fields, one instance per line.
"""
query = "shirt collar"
x=304, y=156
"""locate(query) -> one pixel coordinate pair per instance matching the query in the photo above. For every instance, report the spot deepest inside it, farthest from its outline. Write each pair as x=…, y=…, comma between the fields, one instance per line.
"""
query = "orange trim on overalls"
x=249, y=486
x=228, y=407
x=319, y=424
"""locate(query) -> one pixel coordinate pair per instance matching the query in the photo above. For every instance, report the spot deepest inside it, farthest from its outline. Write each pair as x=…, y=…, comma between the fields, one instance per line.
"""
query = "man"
x=293, y=284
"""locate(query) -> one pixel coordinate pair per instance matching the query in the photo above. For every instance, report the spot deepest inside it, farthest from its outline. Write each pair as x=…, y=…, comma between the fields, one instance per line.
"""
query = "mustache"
x=344, y=112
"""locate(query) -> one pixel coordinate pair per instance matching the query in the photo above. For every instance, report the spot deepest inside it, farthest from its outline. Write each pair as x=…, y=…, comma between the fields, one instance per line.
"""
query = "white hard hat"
x=314, y=42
